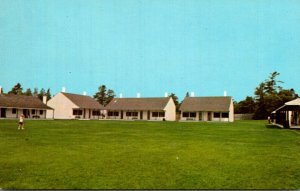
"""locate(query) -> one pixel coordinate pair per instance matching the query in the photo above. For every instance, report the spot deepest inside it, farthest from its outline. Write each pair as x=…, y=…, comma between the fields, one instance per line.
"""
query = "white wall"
x=10, y=114
x=170, y=111
x=63, y=107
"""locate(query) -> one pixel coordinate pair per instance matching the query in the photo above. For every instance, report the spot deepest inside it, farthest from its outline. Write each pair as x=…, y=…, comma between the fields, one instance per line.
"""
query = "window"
x=97, y=113
x=154, y=114
x=33, y=112
x=41, y=112
x=193, y=114
x=77, y=112
x=225, y=115
x=189, y=114
x=161, y=114
x=14, y=111
x=113, y=113
x=128, y=114
x=217, y=115
x=135, y=114
x=185, y=114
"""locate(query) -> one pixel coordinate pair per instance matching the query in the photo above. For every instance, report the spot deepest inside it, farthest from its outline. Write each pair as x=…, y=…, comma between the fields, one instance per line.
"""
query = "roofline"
x=26, y=108
x=142, y=98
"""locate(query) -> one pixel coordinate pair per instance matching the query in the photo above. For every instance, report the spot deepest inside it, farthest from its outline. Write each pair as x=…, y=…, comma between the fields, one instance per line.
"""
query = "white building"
x=74, y=106
x=207, y=109
x=12, y=106
x=142, y=109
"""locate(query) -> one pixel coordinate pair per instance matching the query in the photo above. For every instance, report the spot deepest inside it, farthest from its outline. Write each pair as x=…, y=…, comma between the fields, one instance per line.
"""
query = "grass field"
x=148, y=155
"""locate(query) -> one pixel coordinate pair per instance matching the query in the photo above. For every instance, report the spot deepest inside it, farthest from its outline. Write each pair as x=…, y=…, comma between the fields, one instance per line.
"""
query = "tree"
x=187, y=94
x=245, y=106
x=41, y=94
x=48, y=94
x=104, y=96
x=100, y=95
x=175, y=99
x=28, y=92
x=269, y=96
x=17, y=90
x=35, y=92
x=109, y=96
x=270, y=85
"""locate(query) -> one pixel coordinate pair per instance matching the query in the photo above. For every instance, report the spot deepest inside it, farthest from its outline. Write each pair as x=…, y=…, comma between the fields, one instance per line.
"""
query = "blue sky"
x=149, y=46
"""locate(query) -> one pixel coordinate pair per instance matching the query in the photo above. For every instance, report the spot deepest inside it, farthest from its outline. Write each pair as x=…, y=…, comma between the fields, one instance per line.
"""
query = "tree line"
x=103, y=95
x=268, y=96
x=18, y=90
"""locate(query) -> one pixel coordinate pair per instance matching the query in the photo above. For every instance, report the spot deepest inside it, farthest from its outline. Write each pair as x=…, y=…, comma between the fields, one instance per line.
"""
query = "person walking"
x=21, y=122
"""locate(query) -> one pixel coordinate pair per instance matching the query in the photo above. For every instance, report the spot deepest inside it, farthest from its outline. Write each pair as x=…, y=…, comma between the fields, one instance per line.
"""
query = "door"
x=200, y=116
x=121, y=114
x=26, y=113
x=148, y=115
x=141, y=115
x=3, y=113
x=209, y=116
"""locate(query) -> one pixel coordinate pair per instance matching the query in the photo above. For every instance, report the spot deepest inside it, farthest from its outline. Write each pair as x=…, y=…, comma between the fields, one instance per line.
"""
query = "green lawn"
x=148, y=155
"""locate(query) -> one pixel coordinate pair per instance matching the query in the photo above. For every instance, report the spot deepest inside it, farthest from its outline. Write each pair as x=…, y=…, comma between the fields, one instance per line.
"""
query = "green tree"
x=269, y=96
x=17, y=90
x=245, y=106
x=41, y=94
x=104, y=96
x=109, y=96
x=48, y=94
x=28, y=92
x=100, y=95
x=270, y=84
x=187, y=94
x=175, y=99
x=35, y=92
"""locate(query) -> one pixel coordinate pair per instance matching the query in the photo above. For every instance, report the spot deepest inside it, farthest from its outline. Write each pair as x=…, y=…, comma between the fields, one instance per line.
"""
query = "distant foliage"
x=18, y=90
x=268, y=97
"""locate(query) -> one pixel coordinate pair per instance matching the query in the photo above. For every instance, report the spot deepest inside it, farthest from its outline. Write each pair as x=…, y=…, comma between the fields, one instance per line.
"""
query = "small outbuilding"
x=74, y=106
x=154, y=109
x=207, y=109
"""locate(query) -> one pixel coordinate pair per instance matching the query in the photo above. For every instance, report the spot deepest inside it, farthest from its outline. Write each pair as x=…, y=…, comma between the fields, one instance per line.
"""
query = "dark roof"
x=83, y=101
x=21, y=101
x=206, y=104
x=138, y=103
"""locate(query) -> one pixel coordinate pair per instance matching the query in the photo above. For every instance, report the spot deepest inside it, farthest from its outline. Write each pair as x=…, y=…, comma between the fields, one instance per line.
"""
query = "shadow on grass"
x=272, y=126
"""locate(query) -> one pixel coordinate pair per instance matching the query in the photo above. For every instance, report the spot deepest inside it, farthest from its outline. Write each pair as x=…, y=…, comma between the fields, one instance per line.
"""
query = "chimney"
x=166, y=94
x=45, y=99
x=192, y=94
x=0, y=89
x=63, y=89
x=84, y=93
x=121, y=95
x=225, y=93
x=138, y=95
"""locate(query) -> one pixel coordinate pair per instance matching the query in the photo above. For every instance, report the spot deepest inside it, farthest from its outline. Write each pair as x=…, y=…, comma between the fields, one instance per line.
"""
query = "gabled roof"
x=138, y=103
x=290, y=105
x=21, y=101
x=293, y=102
x=83, y=101
x=216, y=104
